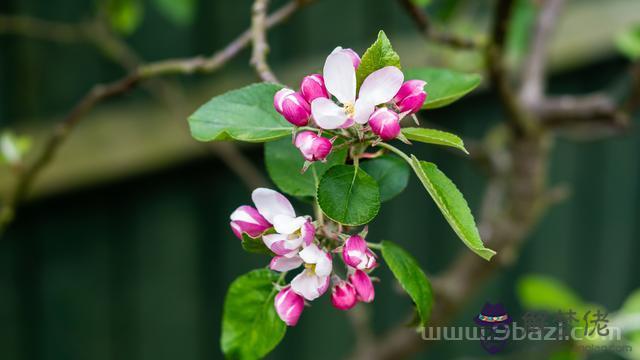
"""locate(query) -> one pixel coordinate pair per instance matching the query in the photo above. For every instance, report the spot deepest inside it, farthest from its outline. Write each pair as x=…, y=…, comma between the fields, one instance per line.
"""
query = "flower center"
x=349, y=109
x=310, y=267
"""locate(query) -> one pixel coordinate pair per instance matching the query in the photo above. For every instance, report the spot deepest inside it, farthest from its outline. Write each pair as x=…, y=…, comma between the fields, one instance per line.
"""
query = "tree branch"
x=521, y=122
x=423, y=22
x=101, y=92
x=42, y=29
x=259, y=38
x=533, y=79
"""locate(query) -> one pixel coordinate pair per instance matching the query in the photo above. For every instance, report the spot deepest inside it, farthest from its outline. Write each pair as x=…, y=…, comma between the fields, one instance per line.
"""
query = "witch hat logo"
x=494, y=322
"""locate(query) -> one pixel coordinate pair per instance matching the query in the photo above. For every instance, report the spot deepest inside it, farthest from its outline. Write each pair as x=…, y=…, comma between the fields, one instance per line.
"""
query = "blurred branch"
x=633, y=101
x=239, y=164
x=259, y=38
x=521, y=122
x=533, y=78
x=42, y=29
x=424, y=24
x=102, y=92
x=589, y=109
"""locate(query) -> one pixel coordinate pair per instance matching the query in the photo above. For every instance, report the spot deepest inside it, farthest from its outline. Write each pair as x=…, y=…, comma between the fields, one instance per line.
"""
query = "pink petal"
x=282, y=263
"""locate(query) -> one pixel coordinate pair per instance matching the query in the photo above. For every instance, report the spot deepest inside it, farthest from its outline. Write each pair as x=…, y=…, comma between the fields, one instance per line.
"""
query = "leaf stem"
x=377, y=246
x=397, y=151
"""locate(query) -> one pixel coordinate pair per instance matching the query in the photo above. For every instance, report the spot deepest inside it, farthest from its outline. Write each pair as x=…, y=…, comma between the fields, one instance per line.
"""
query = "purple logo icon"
x=494, y=326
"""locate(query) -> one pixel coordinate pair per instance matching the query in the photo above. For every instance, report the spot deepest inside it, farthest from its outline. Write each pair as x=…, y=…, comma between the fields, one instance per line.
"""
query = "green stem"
x=318, y=213
x=377, y=246
x=397, y=151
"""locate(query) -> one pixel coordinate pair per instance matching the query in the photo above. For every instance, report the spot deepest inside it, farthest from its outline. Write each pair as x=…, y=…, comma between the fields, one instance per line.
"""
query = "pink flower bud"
x=292, y=106
x=289, y=306
x=343, y=295
x=355, y=253
x=363, y=285
x=312, y=146
x=312, y=87
x=411, y=96
x=246, y=219
x=355, y=58
x=385, y=123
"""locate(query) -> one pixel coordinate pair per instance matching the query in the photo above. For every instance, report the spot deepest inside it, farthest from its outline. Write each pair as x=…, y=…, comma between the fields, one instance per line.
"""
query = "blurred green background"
x=124, y=249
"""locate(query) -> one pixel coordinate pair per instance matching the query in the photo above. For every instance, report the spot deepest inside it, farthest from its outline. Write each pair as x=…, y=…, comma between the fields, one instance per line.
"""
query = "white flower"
x=313, y=281
x=340, y=80
x=292, y=231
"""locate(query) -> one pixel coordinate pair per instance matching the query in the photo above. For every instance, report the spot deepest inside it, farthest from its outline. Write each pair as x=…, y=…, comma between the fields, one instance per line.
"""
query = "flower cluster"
x=329, y=102
x=294, y=243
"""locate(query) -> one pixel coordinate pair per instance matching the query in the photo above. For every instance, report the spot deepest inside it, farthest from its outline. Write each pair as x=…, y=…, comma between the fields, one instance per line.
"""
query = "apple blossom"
x=343, y=295
x=385, y=123
x=356, y=254
x=312, y=146
x=246, y=219
x=355, y=58
x=363, y=285
x=411, y=96
x=340, y=80
x=272, y=208
x=312, y=87
x=289, y=306
x=313, y=281
x=292, y=106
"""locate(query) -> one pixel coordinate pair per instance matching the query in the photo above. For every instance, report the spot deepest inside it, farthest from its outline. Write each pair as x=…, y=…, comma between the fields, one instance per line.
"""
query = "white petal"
x=271, y=203
x=307, y=285
x=337, y=50
x=363, y=110
x=288, y=225
x=327, y=114
x=312, y=254
x=381, y=85
x=293, y=244
x=340, y=77
x=281, y=263
x=324, y=266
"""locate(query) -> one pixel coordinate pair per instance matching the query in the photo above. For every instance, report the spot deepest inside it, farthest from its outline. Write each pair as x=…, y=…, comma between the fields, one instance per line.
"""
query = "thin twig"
x=423, y=22
x=101, y=92
x=259, y=38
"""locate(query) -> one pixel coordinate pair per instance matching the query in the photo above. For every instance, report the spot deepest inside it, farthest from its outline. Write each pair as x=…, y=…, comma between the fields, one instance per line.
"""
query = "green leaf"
x=377, y=56
x=180, y=12
x=348, y=195
x=421, y=3
x=284, y=162
x=124, y=15
x=433, y=136
x=13, y=148
x=443, y=86
x=391, y=174
x=411, y=277
x=538, y=292
x=452, y=205
x=255, y=245
x=519, y=35
x=251, y=327
x=632, y=303
x=628, y=42
x=246, y=114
